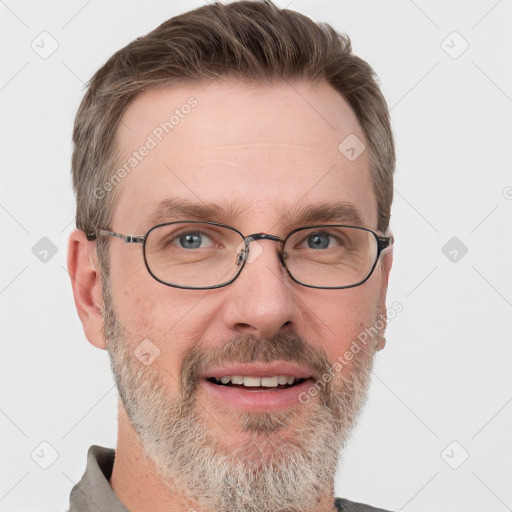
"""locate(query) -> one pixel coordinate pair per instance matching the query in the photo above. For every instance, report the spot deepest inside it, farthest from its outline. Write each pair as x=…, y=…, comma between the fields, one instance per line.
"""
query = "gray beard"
x=269, y=473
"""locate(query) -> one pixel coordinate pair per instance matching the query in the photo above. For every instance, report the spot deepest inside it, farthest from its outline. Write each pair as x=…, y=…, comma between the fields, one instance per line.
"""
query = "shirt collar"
x=93, y=493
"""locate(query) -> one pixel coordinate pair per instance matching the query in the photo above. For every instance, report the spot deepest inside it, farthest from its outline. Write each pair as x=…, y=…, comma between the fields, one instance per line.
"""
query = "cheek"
x=346, y=319
x=169, y=318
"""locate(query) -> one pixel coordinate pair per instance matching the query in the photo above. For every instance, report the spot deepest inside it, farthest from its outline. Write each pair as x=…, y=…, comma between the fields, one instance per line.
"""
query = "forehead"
x=251, y=155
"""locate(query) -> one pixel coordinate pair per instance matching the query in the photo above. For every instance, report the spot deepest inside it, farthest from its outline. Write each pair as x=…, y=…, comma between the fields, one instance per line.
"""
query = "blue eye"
x=190, y=240
x=318, y=241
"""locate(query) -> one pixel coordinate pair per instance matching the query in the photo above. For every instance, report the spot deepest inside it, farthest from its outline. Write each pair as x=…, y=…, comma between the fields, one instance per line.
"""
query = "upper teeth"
x=267, y=382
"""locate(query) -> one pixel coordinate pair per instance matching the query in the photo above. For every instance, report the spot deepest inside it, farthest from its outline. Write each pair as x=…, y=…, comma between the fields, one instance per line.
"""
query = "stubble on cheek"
x=146, y=329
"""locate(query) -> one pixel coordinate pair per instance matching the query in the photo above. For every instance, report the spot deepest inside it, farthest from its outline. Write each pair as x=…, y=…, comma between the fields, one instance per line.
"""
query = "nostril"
x=286, y=325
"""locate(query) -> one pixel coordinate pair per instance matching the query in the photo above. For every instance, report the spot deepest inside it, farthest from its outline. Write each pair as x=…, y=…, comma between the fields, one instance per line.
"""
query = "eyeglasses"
x=200, y=255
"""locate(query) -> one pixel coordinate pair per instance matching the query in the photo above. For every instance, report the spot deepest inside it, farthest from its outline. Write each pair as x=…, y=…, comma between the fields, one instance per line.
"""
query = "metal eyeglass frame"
x=383, y=242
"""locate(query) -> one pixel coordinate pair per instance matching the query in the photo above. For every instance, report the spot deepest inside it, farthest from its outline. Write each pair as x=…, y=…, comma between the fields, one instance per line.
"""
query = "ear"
x=87, y=286
x=386, y=262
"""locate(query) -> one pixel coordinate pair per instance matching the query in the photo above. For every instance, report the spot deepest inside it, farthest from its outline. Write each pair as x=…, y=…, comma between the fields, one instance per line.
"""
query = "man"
x=233, y=171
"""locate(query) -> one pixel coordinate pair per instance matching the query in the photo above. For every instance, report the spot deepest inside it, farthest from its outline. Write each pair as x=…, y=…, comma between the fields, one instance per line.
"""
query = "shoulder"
x=343, y=505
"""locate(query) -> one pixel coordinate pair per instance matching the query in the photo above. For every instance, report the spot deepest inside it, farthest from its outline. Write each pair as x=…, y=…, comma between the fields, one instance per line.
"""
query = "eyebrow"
x=175, y=208
x=337, y=212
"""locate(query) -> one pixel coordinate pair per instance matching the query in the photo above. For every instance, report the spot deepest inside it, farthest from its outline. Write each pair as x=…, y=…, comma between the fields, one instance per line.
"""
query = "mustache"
x=248, y=348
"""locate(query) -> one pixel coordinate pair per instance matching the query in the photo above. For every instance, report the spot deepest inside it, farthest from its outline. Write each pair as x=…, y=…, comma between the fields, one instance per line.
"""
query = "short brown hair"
x=253, y=41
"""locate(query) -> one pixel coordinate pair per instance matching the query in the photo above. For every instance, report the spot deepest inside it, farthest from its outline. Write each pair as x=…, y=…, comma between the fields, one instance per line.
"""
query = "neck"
x=137, y=485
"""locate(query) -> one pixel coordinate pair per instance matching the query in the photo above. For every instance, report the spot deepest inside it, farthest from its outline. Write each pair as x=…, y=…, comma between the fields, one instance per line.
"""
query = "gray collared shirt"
x=94, y=494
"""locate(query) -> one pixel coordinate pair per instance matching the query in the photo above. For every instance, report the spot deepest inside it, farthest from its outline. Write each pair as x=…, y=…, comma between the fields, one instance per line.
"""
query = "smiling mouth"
x=251, y=383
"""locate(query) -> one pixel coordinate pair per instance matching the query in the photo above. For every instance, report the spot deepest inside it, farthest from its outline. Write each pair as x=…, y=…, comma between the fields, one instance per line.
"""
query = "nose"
x=261, y=301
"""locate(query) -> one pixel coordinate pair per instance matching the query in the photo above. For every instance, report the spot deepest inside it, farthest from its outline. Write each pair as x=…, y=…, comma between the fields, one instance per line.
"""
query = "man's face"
x=260, y=153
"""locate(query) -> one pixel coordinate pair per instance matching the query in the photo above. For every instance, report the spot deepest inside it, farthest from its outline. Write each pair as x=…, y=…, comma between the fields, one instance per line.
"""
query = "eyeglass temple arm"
x=384, y=242
x=129, y=239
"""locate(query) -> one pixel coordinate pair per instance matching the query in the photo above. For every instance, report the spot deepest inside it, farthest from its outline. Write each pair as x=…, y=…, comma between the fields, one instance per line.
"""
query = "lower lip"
x=258, y=400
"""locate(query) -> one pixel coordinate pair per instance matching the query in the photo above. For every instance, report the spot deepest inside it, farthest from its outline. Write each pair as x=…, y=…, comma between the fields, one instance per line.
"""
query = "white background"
x=444, y=375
